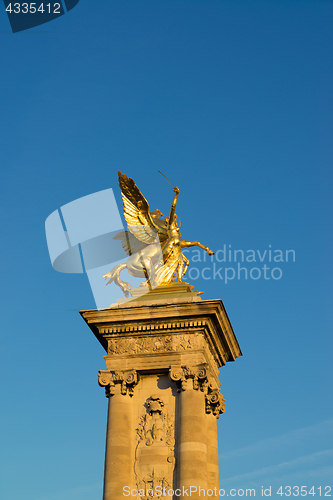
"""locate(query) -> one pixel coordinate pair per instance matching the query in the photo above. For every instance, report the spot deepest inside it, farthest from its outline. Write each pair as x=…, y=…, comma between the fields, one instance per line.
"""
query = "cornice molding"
x=151, y=327
x=142, y=319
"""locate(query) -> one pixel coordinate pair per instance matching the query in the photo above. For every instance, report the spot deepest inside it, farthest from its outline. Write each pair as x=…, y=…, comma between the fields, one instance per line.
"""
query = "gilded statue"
x=153, y=241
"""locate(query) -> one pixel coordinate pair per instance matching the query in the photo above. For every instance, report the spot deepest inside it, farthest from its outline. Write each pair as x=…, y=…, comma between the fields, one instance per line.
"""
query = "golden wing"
x=129, y=242
x=136, y=212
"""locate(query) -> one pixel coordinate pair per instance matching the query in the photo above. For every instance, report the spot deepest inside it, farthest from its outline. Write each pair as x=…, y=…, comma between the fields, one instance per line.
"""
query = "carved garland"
x=127, y=379
x=137, y=344
x=152, y=344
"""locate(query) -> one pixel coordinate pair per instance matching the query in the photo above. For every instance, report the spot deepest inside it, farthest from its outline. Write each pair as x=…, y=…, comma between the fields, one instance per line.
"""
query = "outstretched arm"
x=173, y=206
x=186, y=244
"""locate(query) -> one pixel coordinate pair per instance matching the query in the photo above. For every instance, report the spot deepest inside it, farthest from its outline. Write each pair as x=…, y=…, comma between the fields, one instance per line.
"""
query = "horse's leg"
x=140, y=264
x=114, y=275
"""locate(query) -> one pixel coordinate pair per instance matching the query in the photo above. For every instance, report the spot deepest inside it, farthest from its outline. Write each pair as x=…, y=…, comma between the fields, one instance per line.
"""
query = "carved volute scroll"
x=128, y=379
x=199, y=374
x=215, y=403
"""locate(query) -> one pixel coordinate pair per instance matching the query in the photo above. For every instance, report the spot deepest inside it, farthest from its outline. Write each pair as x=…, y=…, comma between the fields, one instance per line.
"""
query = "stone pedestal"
x=161, y=378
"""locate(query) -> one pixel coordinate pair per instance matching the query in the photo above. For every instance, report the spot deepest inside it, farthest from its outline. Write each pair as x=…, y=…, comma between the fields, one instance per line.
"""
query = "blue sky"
x=232, y=101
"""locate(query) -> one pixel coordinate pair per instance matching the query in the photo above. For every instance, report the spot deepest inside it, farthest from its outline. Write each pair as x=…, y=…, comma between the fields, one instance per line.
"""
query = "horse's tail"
x=114, y=275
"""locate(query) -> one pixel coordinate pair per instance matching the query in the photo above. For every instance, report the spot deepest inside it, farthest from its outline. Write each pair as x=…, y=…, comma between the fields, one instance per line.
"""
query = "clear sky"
x=232, y=101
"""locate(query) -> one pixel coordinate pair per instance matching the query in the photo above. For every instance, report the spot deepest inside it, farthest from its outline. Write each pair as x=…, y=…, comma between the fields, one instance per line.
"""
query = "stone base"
x=161, y=292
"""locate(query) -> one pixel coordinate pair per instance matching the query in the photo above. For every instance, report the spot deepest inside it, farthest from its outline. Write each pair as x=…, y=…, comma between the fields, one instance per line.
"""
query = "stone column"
x=119, y=451
x=192, y=444
x=215, y=404
x=192, y=439
x=212, y=453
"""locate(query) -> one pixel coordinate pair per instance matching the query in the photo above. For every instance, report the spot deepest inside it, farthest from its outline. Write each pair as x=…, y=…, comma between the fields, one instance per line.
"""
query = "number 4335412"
x=31, y=8
x=302, y=491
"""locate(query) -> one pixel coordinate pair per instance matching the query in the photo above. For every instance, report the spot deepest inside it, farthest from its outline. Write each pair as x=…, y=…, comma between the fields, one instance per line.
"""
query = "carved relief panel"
x=154, y=343
x=155, y=449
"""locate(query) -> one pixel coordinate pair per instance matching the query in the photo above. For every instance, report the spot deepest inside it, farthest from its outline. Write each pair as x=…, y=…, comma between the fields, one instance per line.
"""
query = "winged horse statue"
x=153, y=241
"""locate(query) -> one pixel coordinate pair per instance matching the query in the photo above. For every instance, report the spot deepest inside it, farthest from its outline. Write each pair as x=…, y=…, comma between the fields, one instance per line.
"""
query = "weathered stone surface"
x=161, y=379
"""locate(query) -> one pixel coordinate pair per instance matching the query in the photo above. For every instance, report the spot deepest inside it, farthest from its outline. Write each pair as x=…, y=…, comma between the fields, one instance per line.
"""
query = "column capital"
x=215, y=402
x=199, y=373
x=127, y=378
